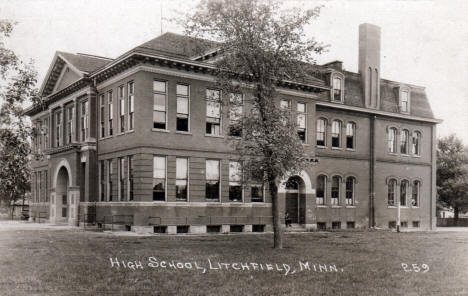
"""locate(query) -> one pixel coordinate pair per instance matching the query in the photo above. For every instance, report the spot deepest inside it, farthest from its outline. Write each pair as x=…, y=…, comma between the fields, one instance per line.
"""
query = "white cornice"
x=378, y=112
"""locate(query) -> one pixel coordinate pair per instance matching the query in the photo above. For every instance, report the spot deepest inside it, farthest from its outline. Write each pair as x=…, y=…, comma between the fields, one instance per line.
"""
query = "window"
x=391, y=224
x=102, y=183
x=404, y=101
x=70, y=125
x=403, y=192
x=122, y=180
x=404, y=139
x=350, y=225
x=392, y=136
x=181, y=178
x=101, y=115
x=415, y=224
x=321, y=189
x=257, y=186
x=391, y=192
x=301, y=121
x=159, y=178
x=285, y=104
x=235, y=114
x=121, y=108
x=350, y=183
x=58, y=128
x=416, y=147
x=350, y=132
x=111, y=111
x=159, y=104
x=321, y=132
x=131, y=105
x=335, y=190
x=213, y=112
x=46, y=133
x=337, y=89
x=235, y=181
x=109, y=180
x=46, y=188
x=212, y=180
x=404, y=224
x=336, y=133
x=84, y=121
x=183, y=107
x=39, y=183
x=131, y=171
x=415, y=194
x=336, y=225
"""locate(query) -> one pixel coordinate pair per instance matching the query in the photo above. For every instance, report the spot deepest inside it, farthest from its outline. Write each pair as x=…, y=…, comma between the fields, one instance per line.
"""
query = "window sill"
x=336, y=207
x=350, y=207
x=417, y=156
x=125, y=133
x=392, y=207
x=212, y=200
x=213, y=136
x=336, y=148
x=415, y=207
x=159, y=201
x=405, y=155
x=393, y=153
x=160, y=130
x=351, y=149
x=322, y=206
x=305, y=144
x=321, y=147
x=183, y=133
x=337, y=101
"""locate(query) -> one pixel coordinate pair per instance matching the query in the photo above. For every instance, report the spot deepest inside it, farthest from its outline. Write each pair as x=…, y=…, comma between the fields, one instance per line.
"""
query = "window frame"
x=232, y=182
x=179, y=114
x=110, y=111
x=335, y=201
x=131, y=105
x=302, y=113
x=324, y=132
x=353, y=136
x=165, y=94
x=187, y=180
x=415, y=191
x=404, y=188
x=404, y=135
x=350, y=201
x=403, y=99
x=322, y=199
x=165, y=178
x=392, y=138
x=340, y=94
x=84, y=120
x=130, y=177
x=102, y=109
x=233, y=110
x=121, y=99
x=336, y=135
x=219, y=180
x=58, y=128
x=392, y=183
x=109, y=180
x=416, y=147
x=220, y=124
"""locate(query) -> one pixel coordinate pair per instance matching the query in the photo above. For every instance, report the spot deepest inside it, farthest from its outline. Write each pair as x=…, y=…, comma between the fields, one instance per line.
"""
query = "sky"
x=423, y=42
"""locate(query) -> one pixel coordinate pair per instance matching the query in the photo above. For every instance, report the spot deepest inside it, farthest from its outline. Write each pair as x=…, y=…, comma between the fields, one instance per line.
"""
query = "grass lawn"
x=64, y=261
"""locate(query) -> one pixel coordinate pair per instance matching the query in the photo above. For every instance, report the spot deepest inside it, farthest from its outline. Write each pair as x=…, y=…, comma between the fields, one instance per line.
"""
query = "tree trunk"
x=456, y=211
x=275, y=210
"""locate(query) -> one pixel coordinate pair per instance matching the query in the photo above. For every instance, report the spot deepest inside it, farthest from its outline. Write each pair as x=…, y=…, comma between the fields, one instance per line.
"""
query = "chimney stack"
x=369, y=64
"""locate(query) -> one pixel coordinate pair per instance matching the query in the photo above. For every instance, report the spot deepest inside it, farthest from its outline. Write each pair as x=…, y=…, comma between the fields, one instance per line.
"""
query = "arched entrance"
x=61, y=195
x=295, y=199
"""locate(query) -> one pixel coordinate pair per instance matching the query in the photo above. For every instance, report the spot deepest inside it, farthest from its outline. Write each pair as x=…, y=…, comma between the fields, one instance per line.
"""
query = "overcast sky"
x=423, y=42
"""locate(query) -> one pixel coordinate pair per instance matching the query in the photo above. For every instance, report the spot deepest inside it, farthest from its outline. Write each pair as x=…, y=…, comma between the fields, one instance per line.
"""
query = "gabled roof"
x=81, y=64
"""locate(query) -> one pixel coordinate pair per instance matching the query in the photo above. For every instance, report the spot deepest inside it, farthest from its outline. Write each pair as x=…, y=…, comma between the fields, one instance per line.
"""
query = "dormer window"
x=404, y=100
x=337, y=91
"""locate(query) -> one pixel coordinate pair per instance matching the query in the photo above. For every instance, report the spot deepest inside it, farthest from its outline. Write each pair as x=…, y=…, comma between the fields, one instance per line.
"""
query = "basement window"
x=236, y=228
x=160, y=229
x=258, y=228
x=213, y=228
x=183, y=229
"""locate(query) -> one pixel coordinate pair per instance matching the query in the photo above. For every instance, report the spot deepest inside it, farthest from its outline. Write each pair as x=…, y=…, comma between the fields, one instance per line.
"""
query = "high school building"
x=141, y=141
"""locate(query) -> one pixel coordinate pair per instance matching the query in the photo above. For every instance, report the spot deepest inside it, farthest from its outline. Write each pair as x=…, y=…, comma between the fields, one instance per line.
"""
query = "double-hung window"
x=335, y=190
x=131, y=105
x=350, y=183
x=58, y=128
x=235, y=114
x=102, y=181
x=121, y=108
x=416, y=143
x=350, y=134
x=301, y=121
x=415, y=194
x=235, y=181
x=84, y=121
x=212, y=186
x=122, y=179
x=159, y=104
x=392, y=137
x=110, y=110
x=213, y=112
x=403, y=192
x=183, y=107
x=109, y=180
x=337, y=89
x=321, y=189
x=101, y=116
x=131, y=170
x=404, y=101
x=391, y=192
x=182, y=168
x=321, y=133
x=159, y=178
x=336, y=133
x=70, y=124
x=404, y=142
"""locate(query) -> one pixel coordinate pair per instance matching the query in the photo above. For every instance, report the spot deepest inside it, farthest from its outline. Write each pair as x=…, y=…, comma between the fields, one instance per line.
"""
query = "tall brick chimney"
x=369, y=64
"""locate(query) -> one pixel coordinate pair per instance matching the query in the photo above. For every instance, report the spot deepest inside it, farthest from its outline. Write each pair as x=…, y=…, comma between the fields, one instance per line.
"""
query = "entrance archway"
x=295, y=199
x=61, y=195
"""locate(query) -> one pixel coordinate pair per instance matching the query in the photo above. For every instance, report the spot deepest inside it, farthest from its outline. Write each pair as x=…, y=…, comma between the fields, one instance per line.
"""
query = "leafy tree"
x=260, y=47
x=16, y=89
x=452, y=174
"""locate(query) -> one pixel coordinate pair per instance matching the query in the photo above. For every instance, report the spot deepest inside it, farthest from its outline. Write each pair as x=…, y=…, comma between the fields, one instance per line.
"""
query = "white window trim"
x=332, y=92
x=166, y=107
x=188, y=109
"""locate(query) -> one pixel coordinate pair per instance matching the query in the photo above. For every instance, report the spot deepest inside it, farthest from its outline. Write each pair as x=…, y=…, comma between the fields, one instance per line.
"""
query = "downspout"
x=372, y=173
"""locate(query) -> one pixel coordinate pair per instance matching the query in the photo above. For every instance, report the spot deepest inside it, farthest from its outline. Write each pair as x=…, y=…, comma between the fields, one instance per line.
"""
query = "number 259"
x=415, y=267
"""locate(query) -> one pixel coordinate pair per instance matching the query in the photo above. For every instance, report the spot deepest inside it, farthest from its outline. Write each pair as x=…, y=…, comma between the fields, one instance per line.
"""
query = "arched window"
x=416, y=143
x=336, y=133
x=392, y=135
x=350, y=183
x=404, y=139
x=321, y=189
x=350, y=134
x=321, y=132
x=415, y=195
x=391, y=192
x=335, y=190
x=337, y=89
x=403, y=193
